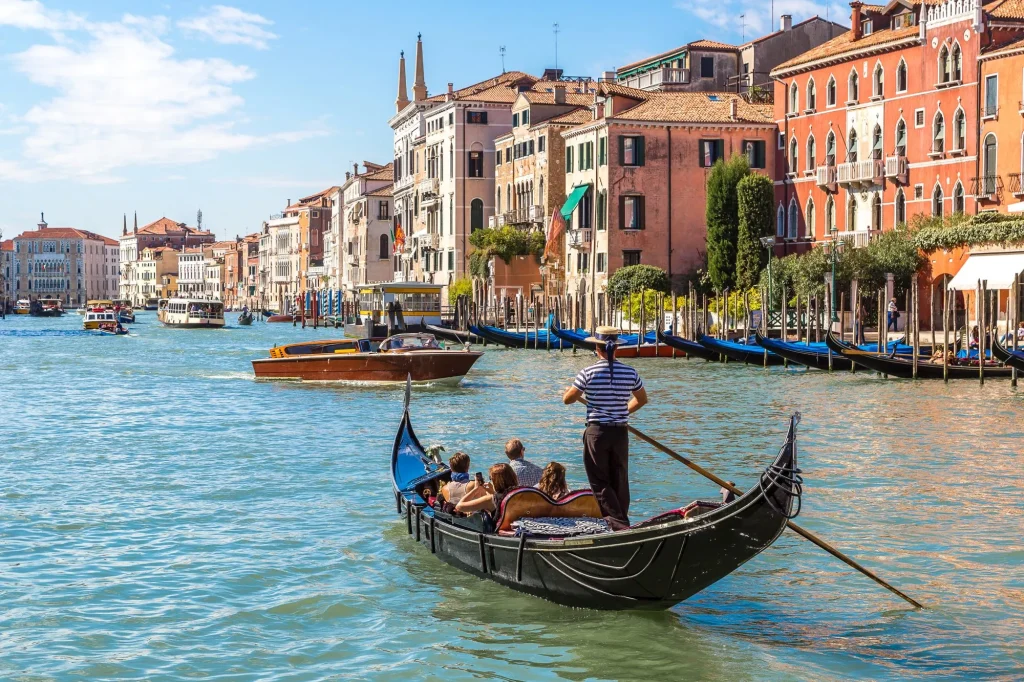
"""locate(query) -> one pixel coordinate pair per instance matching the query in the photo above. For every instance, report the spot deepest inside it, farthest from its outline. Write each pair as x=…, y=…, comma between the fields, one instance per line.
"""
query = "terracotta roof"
x=106, y=240
x=607, y=89
x=1014, y=45
x=7, y=245
x=696, y=107
x=505, y=78
x=1007, y=9
x=385, y=173
x=574, y=117
x=498, y=93
x=227, y=244
x=55, y=233
x=704, y=44
x=578, y=99
x=843, y=46
x=304, y=201
x=166, y=225
x=386, y=191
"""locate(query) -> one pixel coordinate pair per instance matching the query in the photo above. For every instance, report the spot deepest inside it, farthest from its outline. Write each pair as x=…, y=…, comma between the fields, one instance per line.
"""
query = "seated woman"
x=460, y=484
x=552, y=481
x=488, y=496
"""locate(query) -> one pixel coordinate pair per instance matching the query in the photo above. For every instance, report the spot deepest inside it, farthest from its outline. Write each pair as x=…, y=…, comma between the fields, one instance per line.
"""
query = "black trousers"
x=606, y=460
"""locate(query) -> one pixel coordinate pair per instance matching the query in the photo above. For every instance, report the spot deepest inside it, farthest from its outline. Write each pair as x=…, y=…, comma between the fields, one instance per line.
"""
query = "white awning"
x=998, y=269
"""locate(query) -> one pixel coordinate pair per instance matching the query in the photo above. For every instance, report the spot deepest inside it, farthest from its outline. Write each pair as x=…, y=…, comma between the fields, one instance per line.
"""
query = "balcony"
x=428, y=187
x=826, y=176
x=664, y=78
x=430, y=242
x=896, y=167
x=859, y=172
x=581, y=240
x=524, y=215
x=858, y=239
x=1015, y=185
x=987, y=187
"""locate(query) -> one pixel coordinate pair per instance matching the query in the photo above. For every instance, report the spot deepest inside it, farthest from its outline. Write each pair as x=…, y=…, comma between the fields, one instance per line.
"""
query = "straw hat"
x=603, y=335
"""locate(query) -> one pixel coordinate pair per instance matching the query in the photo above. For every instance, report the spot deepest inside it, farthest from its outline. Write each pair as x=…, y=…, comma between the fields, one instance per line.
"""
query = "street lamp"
x=836, y=245
x=769, y=243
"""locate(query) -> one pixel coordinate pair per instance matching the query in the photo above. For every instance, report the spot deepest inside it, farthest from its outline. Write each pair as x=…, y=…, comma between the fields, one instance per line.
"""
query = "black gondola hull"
x=903, y=368
x=755, y=356
x=691, y=348
x=808, y=358
x=1013, y=359
x=652, y=567
x=453, y=335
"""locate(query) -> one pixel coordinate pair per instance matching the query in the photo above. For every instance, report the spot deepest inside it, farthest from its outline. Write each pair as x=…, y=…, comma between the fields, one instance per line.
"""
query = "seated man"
x=527, y=472
x=460, y=484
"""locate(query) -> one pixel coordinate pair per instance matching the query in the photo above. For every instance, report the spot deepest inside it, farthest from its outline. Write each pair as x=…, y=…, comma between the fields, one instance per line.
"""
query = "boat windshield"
x=411, y=342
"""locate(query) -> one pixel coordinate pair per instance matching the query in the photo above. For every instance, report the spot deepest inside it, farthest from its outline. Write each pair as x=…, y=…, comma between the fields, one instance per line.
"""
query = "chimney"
x=355, y=169
x=855, y=27
x=419, y=88
x=347, y=175
x=42, y=222
x=450, y=95
x=135, y=228
x=559, y=91
x=402, y=101
x=124, y=230
x=733, y=107
x=786, y=22
x=608, y=76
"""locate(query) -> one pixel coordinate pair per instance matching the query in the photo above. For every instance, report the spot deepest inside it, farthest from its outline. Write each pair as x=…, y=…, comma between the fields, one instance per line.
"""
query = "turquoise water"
x=164, y=516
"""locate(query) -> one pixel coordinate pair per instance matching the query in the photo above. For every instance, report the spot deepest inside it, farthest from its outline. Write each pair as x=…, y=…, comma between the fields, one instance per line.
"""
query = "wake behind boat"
x=652, y=565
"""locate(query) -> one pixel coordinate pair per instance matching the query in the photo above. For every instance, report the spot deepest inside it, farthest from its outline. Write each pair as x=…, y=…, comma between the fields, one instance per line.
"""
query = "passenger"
x=892, y=314
x=460, y=484
x=975, y=337
x=552, y=481
x=428, y=494
x=1020, y=332
x=527, y=472
x=488, y=497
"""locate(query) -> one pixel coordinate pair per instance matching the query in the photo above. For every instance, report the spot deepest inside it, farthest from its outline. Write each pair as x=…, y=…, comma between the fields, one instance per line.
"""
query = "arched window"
x=938, y=133
x=830, y=91
x=780, y=222
x=851, y=214
x=901, y=76
x=508, y=198
x=809, y=218
x=830, y=149
x=497, y=202
x=851, y=150
x=956, y=67
x=384, y=248
x=812, y=95
x=541, y=196
x=876, y=212
x=990, y=165
x=958, y=198
x=944, y=65
x=830, y=215
x=794, y=99
x=878, y=81
x=901, y=138
x=959, y=130
x=901, y=207
x=811, y=153
x=794, y=219
x=876, y=143
x=793, y=159
x=853, y=87
x=937, y=200
x=476, y=215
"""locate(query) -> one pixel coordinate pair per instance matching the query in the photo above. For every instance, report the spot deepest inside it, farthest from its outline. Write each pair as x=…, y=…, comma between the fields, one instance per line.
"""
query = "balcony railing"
x=428, y=186
x=826, y=175
x=1015, y=187
x=580, y=239
x=657, y=78
x=856, y=172
x=896, y=166
x=430, y=242
x=858, y=239
x=524, y=215
x=987, y=187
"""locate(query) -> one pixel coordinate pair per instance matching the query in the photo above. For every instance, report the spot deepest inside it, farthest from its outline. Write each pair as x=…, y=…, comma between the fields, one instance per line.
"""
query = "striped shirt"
x=608, y=393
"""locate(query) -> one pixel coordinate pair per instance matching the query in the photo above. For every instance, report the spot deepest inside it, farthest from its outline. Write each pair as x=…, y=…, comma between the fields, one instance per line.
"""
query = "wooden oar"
x=792, y=526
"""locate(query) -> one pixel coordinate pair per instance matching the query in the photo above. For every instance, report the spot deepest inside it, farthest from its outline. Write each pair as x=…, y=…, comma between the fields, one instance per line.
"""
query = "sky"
x=112, y=108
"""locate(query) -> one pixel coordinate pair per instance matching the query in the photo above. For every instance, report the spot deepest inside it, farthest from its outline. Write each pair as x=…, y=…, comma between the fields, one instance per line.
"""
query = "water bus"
x=396, y=307
x=98, y=318
x=22, y=307
x=193, y=313
x=47, y=307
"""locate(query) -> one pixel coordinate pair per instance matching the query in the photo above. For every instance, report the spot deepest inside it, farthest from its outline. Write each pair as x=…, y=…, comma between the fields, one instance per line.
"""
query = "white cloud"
x=757, y=15
x=31, y=14
x=231, y=26
x=123, y=99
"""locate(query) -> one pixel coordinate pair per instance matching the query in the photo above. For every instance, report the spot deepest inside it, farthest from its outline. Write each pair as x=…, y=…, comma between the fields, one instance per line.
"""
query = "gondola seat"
x=530, y=503
x=690, y=511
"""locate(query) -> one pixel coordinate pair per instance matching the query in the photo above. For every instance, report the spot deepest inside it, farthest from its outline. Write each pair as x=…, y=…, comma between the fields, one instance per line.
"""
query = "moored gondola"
x=691, y=348
x=748, y=353
x=525, y=340
x=809, y=356
x=652, y=565
x=453, y=335
x=902, y=367
x=627, y=349
x=1013, y=358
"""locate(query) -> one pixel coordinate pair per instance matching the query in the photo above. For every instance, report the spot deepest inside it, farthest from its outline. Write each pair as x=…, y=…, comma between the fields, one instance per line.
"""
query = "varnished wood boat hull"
x=371, y=368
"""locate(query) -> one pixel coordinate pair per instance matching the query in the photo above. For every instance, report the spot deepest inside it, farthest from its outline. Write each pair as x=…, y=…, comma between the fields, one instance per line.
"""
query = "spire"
x=136, y=228
x=419, y=88
x=124, y=229
x=403, y=94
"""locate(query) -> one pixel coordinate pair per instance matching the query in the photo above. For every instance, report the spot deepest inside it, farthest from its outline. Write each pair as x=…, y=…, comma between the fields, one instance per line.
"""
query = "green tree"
x=755, y=195
x=460, y=287
x=636, y=278
x=722, y=218
x=505, y=243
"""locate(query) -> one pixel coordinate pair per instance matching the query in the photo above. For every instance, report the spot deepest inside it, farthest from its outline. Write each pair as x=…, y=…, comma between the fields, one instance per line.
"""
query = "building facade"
x=161, y=232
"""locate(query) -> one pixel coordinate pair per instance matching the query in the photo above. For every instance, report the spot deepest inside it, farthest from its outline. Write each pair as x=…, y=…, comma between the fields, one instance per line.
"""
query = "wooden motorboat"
x=364, y=361
x=691, y=348
x=1012, y=358
x=652, y=565
x=748, y=353
x=283, y=318
x=902, y=366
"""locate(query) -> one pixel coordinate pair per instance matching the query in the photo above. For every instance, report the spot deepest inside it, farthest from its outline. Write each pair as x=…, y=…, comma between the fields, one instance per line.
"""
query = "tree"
x=755, y=194
x=199, y=219
x=722, y=217
x=636, y=278
x=505, y=243
x=460, y=287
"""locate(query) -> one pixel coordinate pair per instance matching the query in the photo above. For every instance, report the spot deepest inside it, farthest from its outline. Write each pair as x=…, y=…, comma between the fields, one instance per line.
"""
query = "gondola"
x=801, y=354
x=245, y=318
x=750, y=354
x=653, y=565
x=691, y=348
x=902, y=367
x=527, y=340
x=453, y=335
x=627, y=348
x=1013, y=358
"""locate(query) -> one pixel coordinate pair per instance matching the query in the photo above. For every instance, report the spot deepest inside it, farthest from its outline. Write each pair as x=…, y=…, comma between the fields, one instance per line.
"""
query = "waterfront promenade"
x=165, y=516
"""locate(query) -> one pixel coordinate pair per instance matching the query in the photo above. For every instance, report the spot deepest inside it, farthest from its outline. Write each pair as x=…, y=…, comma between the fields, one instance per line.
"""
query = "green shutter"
x=568, y=159
x=622, y=150
x=640, y=150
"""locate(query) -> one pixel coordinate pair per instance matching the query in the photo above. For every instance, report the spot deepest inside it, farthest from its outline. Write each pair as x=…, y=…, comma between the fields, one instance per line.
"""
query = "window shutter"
x=641, y=211
x=640, y=152
x=568, y=159
x=483, y=117
x=622, y=150
x=622, y=208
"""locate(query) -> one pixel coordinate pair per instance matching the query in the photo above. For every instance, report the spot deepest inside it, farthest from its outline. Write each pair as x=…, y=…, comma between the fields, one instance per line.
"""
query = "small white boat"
x=193, y=313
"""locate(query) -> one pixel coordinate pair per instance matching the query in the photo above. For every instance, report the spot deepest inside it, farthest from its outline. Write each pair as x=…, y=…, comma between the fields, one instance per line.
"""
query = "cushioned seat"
x=530, y=503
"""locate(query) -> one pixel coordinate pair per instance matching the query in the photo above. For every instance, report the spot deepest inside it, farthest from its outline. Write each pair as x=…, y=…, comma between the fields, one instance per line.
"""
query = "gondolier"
x=613, y=391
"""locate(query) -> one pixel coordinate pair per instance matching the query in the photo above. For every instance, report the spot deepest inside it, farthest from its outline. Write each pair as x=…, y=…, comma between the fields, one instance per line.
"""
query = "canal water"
x=164, y=516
